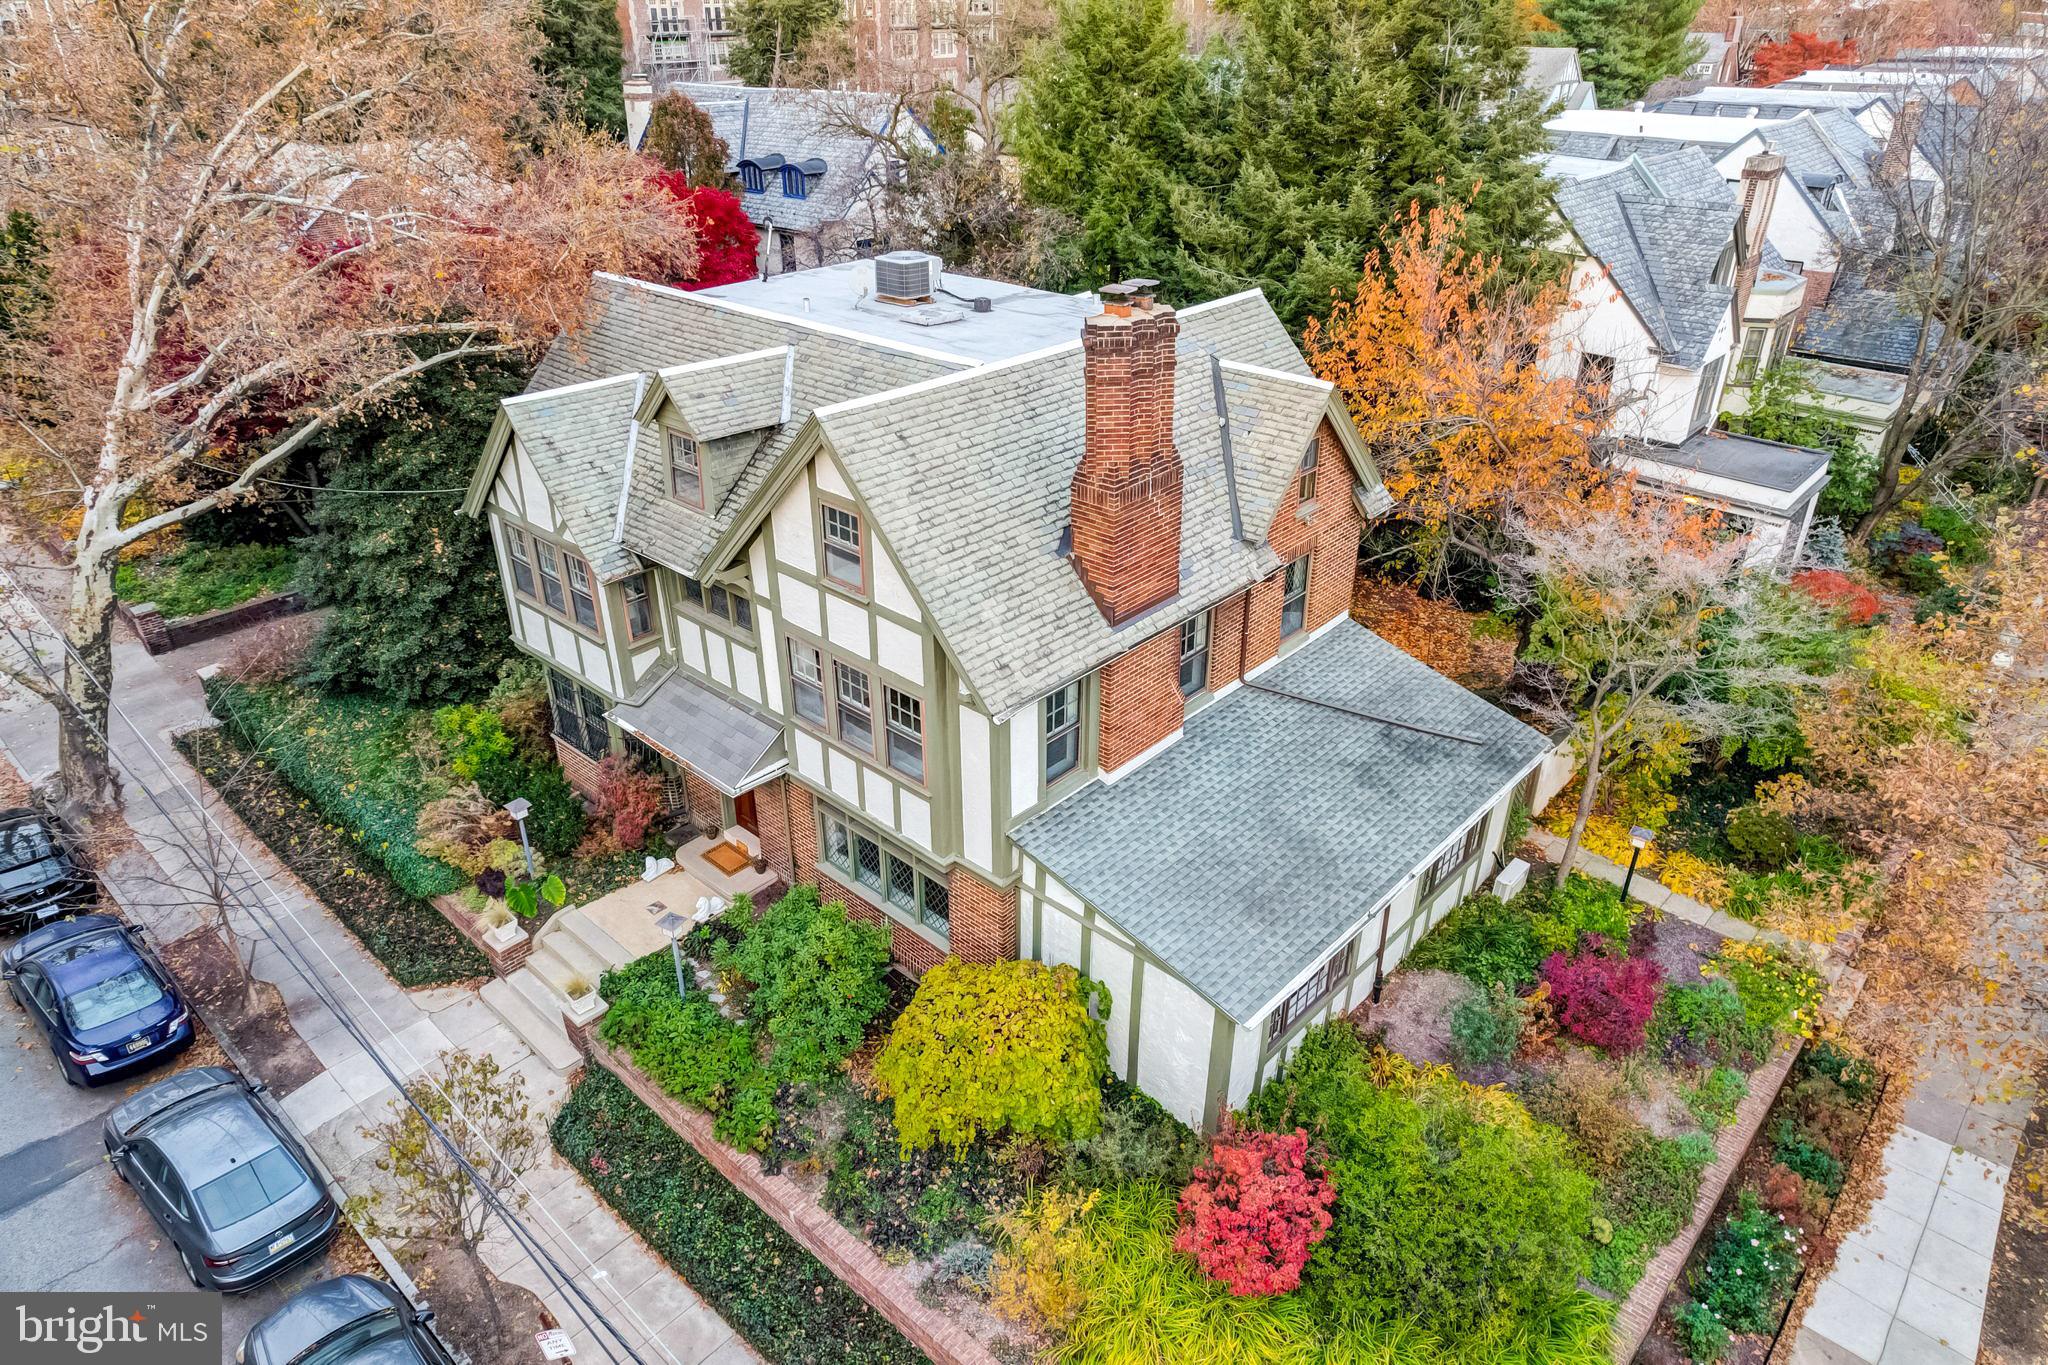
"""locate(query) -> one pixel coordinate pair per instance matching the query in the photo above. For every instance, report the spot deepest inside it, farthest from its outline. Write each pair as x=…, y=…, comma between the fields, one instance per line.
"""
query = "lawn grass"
x=193, y=579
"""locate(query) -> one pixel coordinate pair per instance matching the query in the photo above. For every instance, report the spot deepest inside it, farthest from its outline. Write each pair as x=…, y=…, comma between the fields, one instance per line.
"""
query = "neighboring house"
x=671, y=41
x=1859, y=346
x=809, y=165
x=1668, y=261
x=1555, y=73
x=1019, y=623
x=1717, y=56
x=1873, y=111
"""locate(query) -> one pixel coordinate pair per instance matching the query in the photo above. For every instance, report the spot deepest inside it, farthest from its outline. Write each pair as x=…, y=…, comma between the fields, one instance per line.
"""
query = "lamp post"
x=673, y=925
x=517, y=808
x=1638, y=840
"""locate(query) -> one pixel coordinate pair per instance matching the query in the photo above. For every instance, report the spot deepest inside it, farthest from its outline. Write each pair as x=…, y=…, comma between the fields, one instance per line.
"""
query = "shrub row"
x=352, y=757
x=415, y=944
x=773, y=1292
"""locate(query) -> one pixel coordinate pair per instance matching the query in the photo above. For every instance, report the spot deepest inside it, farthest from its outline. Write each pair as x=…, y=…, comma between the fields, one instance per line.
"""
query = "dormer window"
x=1306, y=480
x=753, y=179
x=685, y=469
x=793, y=183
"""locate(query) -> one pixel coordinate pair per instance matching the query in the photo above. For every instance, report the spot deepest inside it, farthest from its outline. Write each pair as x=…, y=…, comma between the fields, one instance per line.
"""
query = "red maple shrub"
x=1858, y=605
x=1254, y=1209
x=1797, y=53
x=727, y=244
x=628, y=799
x=1605, y=1001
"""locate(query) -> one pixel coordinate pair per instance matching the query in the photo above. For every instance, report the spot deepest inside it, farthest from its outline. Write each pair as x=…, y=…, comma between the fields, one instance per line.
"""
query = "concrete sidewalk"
x=164, y=889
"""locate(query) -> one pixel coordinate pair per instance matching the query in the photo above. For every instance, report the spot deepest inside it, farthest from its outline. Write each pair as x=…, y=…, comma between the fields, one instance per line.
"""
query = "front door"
x=743, y=814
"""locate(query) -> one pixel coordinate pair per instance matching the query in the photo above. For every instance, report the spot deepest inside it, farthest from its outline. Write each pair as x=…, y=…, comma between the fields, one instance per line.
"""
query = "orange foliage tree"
x=260, y=217
x=1770, y=63
x=1441, y=363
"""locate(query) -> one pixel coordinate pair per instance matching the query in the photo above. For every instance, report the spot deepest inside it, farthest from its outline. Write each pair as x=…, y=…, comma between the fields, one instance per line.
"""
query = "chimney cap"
x=1117, y=291
x=1143, y=286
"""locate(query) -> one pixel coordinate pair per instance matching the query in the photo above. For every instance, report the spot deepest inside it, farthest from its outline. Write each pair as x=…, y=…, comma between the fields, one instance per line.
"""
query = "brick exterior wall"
x=984, y=918
x=581, y=771
x=1226, y=631
x=1140, y=699
x=1125, y=498
x=772, y=809
x=707, y=807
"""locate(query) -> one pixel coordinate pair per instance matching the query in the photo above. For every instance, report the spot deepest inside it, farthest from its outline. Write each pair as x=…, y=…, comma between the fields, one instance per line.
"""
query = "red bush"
x=1858, y=605
x=1605, y=1001
x=726, y=242
x=1771, y=63
x=628, y=799
x=1253, y=1211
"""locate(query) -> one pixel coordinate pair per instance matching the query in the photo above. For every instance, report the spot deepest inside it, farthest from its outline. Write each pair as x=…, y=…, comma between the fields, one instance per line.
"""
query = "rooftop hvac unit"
x=906, y=276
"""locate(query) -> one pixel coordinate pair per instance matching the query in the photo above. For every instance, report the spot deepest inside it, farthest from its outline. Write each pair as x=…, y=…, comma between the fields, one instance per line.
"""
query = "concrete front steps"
x=533, y=999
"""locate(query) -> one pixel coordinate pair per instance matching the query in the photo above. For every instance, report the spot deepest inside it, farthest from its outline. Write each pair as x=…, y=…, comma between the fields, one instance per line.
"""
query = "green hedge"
x=773, y=1292
x=352, y=757
x=415, y=944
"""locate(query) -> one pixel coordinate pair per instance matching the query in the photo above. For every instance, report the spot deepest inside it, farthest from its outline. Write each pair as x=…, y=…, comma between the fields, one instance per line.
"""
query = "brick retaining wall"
x=887, y=1289
x=503, y=962
x=160, y=633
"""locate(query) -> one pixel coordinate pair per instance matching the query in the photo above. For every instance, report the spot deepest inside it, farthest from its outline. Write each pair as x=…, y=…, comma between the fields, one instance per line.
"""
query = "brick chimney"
x=1761, y=175
x=1896, y=162
x=1126, y=492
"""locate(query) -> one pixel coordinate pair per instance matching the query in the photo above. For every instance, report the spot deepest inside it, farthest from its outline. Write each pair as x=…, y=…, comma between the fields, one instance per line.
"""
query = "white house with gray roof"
x=1020, y=624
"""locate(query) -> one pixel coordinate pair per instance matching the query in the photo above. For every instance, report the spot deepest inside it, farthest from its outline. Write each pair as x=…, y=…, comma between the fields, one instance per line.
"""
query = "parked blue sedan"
x=105, y=1003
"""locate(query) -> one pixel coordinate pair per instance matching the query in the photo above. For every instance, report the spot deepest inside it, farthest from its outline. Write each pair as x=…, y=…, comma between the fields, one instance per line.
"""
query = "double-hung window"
x=522, y=560
x=1062, y=717
x=1307, y=478
x=807, y=682
x=905, y=738
x=843, y=560
x=550, y=576
x=856, y=707
x=685, y=471
x=1294, y=597
x=1754, y=341
x=639, y=606
x=1194, y=654
x=727, y=604
x=1703, y=405
x=885, y=873
x=578, y=715
x=1310, y=993
x=1452, y=860
x=582, y=591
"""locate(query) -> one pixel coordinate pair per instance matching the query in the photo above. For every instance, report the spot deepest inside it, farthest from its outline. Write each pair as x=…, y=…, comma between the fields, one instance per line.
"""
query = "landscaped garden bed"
x=415, y=944
x=190, y=579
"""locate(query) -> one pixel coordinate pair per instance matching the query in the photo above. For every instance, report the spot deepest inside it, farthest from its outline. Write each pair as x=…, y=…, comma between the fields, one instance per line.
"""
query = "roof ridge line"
x=846, y=405
x=787, y=320
x=578, y=386
x=1314, y=381
x=735, y=358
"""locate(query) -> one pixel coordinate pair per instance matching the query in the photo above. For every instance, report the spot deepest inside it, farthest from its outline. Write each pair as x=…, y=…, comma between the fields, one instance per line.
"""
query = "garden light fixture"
x=518, y=808
x=1638, y=840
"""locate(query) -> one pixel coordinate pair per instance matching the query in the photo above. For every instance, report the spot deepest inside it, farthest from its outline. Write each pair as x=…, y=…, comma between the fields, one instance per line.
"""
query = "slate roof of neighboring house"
x=1860, y=325
x=968, y=483
x=760, y=122
x=640, y=328
x=1775, y=102
x=1544, y=67
x=1713, y=47
x=1659, y=225
x=1276, y=824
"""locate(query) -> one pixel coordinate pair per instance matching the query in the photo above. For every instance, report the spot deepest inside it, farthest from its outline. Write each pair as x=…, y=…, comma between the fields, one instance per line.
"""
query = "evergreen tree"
x=412, y=584
x=681, y=137
x=1102, y=129
x=1347, y=111
x=1627, y=46
x=774, y=34
x=583, y=56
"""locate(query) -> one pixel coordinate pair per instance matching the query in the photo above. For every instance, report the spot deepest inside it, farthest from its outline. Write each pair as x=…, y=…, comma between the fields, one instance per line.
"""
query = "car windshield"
x=21, y=845
x=249, y=1188
x=346, y=1343
x=117, y=996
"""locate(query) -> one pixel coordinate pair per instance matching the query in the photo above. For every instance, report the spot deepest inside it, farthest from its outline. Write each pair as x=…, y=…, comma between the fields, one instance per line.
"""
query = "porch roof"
x=727, y=745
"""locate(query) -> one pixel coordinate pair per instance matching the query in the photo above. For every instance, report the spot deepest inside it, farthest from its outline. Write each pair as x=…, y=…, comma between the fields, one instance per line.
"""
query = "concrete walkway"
x=173, y=885
x=1646, y=888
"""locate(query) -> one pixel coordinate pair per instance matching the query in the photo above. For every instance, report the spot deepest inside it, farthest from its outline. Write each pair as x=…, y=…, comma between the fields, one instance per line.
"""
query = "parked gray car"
x=220, y=1171
x=351, y=1320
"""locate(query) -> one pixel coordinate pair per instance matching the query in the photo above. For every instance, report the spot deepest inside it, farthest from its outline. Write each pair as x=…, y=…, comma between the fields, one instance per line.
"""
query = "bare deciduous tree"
x=260, y=217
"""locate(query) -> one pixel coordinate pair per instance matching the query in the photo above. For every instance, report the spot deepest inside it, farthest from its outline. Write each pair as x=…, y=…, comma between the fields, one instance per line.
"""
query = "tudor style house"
x=1016, y=620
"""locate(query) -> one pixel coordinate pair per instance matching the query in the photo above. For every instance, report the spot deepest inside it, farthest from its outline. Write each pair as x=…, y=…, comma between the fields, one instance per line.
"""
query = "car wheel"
x=191, y=1270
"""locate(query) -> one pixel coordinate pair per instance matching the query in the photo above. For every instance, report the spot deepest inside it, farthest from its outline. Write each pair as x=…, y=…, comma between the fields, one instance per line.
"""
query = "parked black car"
x=352, y=1320
x=219, y=1169
x=105, y=1003
x=39, y=878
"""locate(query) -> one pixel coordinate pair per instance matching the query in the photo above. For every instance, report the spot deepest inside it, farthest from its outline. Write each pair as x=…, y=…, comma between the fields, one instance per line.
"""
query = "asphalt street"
x=66, y=1220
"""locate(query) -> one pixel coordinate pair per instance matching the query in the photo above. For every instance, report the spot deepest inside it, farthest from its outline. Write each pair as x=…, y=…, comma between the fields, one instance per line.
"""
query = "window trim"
x=546, y=552
x=1286, y=596
x=519, y=554
x=823, y=724
x=578, y=691
x=1707, y=399
x=1309, y=996
x=1200, y=621
x=828, y=504
x=670, y=437
x=1461, y=851
x=842, y=669
x=576, y=567
x=887, y=850
x=1047, y=777
x=890, y=729
x=696, y=604
x=1305, y=473
x=646, y=592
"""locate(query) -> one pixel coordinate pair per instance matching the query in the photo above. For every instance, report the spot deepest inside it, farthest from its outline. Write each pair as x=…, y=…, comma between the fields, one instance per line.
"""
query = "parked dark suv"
x=352, y=1320
x=39, y=879
x=219, y=1169
x=105, y=1003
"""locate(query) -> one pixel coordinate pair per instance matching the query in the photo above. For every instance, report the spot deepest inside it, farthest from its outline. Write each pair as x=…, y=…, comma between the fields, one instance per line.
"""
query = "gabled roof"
x=575, y=436
x=729, y=394
x=1862, y=325
x=967, y=480
x=1285, y=815
x=773, y=125
x=1659, y=224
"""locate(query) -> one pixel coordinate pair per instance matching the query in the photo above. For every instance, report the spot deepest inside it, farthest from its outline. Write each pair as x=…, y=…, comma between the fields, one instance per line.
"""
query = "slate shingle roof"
x=968, y=483
x=757, y=122
x=1861, y=325
x=1659, y=224
x=575, y=440
x=720, y=739
x=1241, y=853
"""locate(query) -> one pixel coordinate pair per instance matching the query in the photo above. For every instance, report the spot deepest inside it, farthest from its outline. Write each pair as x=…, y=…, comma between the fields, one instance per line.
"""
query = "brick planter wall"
x=160, y=633
x=503, y=963
x=818, y=1232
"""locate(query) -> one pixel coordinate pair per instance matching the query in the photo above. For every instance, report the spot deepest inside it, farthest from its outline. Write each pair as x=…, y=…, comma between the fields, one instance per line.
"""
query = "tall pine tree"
x=1626, y=46
x=416, y=613
x=774, y=37
x=1102, y=129
x=583, y=55
x=1348, y=110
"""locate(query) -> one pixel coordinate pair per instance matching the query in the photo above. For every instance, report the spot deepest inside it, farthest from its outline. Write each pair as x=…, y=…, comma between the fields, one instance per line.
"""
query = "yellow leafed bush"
x=1695, y=877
